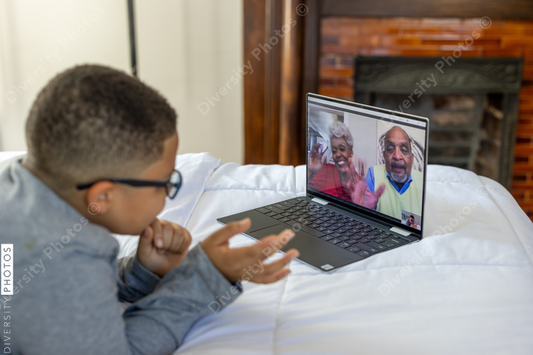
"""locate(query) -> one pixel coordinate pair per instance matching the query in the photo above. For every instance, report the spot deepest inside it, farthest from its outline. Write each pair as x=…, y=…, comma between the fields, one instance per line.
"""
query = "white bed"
x=466, y=288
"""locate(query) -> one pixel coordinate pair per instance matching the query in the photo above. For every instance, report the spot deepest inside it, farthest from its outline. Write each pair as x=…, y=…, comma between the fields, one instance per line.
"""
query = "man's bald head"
x=397, y=129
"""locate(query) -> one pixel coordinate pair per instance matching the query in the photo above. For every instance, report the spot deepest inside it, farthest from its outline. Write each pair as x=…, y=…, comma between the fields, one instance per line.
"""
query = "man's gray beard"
x=398, y=179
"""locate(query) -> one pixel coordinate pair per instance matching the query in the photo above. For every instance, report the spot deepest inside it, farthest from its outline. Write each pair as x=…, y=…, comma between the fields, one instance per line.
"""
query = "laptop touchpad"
x=259, y=220
x=313, y=251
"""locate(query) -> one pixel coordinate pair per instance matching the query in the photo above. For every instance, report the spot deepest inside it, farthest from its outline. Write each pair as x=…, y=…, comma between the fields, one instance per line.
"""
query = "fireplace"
x=472, y=105
x=345, y=37
x=334, y=32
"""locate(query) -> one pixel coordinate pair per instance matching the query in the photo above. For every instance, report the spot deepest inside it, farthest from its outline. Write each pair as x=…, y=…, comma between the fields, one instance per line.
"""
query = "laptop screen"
x=369, y=157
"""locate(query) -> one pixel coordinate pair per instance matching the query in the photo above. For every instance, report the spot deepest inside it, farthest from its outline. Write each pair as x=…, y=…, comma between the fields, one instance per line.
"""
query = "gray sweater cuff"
x=135, y=281
x=148, y=278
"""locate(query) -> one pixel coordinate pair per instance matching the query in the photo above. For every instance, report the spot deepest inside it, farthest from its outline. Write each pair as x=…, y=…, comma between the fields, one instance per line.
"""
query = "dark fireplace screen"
x=472, y=105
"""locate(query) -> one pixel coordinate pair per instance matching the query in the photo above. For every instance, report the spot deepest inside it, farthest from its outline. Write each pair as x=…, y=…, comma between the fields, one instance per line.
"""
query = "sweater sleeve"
x=135, y=281
x=81, y=315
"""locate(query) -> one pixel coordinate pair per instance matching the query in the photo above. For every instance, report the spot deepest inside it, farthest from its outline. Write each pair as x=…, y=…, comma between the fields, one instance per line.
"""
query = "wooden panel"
x=311, y=46
x=274, y=94
x=311, y=54
x=273, y=23
x=291, y=66
x=494, y=9
x=254, y=85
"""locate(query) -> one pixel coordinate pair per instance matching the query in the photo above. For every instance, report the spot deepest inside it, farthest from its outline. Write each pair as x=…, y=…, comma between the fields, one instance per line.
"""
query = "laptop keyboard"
x=335, y=228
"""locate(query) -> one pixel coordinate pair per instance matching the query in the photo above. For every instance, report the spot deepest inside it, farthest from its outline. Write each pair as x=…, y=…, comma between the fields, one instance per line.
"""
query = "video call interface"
x=377, y=163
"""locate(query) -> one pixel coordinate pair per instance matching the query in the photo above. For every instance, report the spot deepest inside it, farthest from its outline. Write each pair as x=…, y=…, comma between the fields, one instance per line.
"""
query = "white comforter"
x=466, y=288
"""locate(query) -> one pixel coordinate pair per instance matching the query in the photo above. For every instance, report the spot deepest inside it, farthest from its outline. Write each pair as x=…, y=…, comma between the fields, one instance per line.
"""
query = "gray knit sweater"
x=68, y=282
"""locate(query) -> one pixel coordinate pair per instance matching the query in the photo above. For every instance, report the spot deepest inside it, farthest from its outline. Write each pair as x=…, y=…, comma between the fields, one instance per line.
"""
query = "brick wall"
x=344, y=38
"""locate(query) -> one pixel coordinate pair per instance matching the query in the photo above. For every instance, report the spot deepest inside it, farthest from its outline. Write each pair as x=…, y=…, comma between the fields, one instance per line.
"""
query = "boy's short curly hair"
x=92, y=122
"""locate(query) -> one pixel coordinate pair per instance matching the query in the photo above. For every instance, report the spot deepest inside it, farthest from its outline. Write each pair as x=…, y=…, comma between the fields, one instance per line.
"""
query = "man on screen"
x=403, y=184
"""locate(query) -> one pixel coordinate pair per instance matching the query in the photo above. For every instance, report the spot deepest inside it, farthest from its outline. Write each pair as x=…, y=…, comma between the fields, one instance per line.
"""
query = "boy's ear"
x=100, y=197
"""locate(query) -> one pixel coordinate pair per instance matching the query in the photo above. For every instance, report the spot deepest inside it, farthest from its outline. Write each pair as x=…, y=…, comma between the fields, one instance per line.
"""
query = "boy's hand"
x=237, y=263
x=163, y=246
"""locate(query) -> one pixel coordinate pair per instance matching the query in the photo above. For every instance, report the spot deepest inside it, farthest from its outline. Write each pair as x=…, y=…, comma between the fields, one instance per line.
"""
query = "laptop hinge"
x=319, y=200
x=400, y=231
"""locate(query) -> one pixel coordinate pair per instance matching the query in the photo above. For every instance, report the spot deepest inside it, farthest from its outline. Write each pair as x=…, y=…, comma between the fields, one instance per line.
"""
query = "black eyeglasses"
x=172, y=185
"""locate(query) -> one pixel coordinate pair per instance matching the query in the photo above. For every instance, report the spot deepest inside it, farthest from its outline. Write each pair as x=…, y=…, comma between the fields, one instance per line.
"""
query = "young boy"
x=101, y=154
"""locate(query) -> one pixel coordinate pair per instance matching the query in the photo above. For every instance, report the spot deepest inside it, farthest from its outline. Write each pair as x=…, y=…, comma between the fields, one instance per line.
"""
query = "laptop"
x=365, y=185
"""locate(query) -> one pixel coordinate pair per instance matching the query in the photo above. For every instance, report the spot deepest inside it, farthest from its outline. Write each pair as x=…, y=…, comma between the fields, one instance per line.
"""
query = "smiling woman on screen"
x=340, y=179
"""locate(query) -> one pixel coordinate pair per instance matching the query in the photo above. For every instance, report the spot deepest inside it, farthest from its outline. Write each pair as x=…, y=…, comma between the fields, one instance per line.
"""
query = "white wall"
x=187, y=50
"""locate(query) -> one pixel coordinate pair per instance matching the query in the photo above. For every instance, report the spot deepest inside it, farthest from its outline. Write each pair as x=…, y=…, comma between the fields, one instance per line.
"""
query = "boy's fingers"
x=270, y=245
x=275, y=266
x=273, y=278
x=167, y=233
x=145, y=240
x=264, y=249
x=181, y=239
x=148, y=233
x=158, y=233
x=225, y=233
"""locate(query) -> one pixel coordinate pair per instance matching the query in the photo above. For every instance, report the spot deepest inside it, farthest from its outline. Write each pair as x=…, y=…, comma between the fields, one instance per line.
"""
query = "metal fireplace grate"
x=472, y=105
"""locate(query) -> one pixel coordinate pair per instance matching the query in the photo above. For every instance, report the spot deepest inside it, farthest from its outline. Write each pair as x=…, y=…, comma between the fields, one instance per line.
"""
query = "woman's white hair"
x=340, y=130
